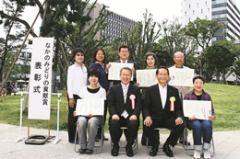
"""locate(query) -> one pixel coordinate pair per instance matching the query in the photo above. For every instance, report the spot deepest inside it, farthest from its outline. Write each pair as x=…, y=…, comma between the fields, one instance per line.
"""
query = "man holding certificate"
x=87, y=121
x=162, y=109
x=202, y=129
x=124, y=108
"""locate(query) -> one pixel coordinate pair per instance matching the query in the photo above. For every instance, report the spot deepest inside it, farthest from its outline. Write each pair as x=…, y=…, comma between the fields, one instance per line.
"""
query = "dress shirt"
x=76, y=78
x=163, y=94
x=121, y=61
x=125, y=91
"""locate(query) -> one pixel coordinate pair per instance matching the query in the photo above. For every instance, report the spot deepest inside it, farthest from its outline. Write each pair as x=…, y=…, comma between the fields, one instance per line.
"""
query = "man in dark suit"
x=123, y=54
x=162, y=108
x=124, y=107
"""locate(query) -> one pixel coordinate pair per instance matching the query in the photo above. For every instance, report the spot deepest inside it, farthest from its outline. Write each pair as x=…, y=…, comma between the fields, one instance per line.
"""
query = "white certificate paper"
x=198, y=108
x=181, y=77
x=114, y=70
x=89, y=106
x=146, y=78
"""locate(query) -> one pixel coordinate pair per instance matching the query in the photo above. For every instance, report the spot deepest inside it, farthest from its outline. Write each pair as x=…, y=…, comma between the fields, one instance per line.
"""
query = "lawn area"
x=225, y=99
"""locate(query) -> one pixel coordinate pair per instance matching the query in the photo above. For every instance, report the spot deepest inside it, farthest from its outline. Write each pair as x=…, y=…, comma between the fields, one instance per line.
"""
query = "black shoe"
x=153, y=151
x=167, y=150
x=82, y=151
x=115, y=150
x=129, y=152
x=105, y=138
x=89, y=151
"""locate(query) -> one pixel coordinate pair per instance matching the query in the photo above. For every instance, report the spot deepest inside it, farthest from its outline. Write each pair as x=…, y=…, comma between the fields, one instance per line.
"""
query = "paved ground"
x=227, y=145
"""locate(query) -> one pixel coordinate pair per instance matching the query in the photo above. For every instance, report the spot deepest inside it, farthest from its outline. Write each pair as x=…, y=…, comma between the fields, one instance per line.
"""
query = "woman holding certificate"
x=202, y=129
x=151, y=63
x=89, y=123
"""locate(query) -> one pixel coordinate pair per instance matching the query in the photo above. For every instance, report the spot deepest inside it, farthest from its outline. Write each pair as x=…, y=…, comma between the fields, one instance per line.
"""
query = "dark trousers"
x=130, y=132
x=72, y=121
x=176, y=131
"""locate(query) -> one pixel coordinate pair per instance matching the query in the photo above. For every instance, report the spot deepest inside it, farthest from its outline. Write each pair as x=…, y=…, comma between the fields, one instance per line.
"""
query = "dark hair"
x=77, y=50
x=198, y=77
x=95, y=54
x=153, y=55
x=126, y=68
x=123, y=46
x=162, y=67
x=94, y=73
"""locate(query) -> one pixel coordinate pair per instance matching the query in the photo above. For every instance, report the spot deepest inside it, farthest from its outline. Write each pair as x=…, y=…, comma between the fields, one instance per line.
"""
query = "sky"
x=133, y=9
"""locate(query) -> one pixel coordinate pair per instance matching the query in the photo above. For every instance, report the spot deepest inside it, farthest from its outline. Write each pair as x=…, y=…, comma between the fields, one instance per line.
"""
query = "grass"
x=225, y=99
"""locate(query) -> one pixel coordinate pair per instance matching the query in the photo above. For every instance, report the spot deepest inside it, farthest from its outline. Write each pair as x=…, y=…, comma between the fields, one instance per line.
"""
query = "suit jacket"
x=153, y=104
x=116, y=100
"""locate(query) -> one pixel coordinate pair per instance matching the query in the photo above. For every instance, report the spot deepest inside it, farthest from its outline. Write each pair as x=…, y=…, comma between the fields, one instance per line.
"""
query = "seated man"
x=124, y=107
x=162, y=108
x=202, y=129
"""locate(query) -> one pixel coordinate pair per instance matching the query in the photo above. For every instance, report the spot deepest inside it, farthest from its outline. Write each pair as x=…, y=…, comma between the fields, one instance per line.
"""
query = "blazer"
x=116, y=100
x=153, y=104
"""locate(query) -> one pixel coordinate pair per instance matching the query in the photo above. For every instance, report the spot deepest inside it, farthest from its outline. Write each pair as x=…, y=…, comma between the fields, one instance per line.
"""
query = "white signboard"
x=114, y=70
x=146, y=78
x=198, y=108
x=40, y=79
x=89, y=106
x=181, y=77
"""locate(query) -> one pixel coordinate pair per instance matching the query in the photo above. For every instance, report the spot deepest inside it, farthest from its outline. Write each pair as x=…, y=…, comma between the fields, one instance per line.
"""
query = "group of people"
x=159, y=104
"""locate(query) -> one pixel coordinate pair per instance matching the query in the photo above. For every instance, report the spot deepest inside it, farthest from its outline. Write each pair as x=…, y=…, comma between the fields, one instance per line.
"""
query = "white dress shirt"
x=121, y=61
x=125, y=91
x=76, y=79
x=163, y=94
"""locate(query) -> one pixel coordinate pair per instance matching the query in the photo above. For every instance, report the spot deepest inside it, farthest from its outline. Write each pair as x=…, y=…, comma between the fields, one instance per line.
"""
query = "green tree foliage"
x=220, y=57
x=202, y=31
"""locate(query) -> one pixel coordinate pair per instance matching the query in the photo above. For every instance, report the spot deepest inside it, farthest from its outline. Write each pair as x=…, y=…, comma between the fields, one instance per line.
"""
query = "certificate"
x=114, y=70
x=146, y=78
x=198, y=108
x=181, y=77
x=89, y=106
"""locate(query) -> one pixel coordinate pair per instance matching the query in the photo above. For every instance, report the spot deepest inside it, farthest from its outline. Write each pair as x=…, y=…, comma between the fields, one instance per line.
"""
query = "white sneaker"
x=206, y=154
x=197, y=154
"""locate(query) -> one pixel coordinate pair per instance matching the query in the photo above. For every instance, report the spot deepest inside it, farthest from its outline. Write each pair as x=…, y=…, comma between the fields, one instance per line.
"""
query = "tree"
x=13, y=34
x=219, y=58
x=173, y=39
x=202, y=31
x=140, y=38
x=69, y=22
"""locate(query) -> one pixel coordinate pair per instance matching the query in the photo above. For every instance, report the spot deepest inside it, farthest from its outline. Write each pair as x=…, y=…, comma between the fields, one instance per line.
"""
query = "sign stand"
x=21, y=138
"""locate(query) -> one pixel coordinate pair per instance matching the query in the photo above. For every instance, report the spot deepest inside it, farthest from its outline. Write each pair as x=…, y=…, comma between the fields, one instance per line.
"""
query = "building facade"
x=116, y=24
x=223, y=11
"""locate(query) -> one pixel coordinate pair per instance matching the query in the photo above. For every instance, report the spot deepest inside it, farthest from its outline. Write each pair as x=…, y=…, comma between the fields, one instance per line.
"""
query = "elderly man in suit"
x=162, y=109
x=124, y=107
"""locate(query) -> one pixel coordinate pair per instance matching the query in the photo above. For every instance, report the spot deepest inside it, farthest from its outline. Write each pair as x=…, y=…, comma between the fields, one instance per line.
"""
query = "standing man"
x=162, y=109
x=76, y=78
x=123, y=53
x=124, y=107
x=179, y=59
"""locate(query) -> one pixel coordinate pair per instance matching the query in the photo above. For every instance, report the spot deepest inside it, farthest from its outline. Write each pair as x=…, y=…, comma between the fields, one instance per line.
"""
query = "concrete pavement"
x=227, y=145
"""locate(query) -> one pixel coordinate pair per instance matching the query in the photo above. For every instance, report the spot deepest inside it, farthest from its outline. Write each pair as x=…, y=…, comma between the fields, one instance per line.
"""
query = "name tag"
x=124, y=114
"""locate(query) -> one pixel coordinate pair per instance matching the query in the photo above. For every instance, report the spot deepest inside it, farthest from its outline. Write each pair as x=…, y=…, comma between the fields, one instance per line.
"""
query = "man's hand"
x=115, y=117
x=192, y=117
x=148, y=121
x=212, y=117
x=133, y=117
x=178, y=121
x=71, y=102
